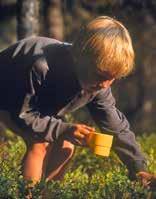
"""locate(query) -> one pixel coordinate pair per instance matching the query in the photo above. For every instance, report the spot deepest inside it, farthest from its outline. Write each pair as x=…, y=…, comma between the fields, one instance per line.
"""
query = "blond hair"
x=108, y=44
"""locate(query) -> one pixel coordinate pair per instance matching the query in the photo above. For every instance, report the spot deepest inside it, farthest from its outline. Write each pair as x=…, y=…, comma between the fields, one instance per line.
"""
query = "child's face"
x=91, y=85
x=90, y=78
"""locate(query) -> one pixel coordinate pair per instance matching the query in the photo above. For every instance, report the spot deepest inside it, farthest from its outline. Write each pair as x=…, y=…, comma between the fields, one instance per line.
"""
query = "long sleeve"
x=111, y=120
x=46, y=127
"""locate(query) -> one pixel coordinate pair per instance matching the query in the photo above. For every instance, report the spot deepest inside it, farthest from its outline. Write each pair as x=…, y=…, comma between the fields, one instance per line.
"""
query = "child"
x=42, y=79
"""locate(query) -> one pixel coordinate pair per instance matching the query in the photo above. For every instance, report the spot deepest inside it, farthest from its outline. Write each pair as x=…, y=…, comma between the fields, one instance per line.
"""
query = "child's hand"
x=79, y=134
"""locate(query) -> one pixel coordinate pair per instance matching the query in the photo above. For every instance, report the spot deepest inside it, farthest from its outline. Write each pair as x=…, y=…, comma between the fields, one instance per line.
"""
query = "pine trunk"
x=27, y=18
x=53, y=19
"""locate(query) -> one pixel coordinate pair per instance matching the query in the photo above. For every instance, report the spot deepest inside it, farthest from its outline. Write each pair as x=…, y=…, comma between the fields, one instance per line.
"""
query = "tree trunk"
x=27, y=18
x=146, y=114
x=53, y=19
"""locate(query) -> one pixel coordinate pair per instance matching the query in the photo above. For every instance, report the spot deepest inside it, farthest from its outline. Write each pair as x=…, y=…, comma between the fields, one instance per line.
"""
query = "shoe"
x=148, y=180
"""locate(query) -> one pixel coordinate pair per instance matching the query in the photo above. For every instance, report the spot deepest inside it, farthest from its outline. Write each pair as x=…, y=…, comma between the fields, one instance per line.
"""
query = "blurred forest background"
x=62, y=19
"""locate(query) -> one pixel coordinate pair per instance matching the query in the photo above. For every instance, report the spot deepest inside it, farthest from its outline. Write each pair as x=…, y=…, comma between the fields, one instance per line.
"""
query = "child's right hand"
x=79, y=134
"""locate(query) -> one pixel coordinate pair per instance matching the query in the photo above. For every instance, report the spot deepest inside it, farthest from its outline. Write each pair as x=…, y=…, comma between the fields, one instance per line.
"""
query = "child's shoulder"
x=33, y=45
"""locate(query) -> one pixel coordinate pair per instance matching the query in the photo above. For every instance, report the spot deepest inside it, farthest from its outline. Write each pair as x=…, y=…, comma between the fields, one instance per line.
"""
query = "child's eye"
x=103, y=76
x=100, y=78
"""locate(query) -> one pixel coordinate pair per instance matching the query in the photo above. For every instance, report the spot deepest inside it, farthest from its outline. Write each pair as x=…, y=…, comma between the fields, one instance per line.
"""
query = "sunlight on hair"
x=109, y=46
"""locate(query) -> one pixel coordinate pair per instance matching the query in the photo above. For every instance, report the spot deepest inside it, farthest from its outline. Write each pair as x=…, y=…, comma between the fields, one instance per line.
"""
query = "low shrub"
x=88, y=176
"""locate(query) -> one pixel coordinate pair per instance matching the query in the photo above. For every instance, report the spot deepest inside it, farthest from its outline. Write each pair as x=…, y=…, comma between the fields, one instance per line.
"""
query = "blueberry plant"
x=88, y=177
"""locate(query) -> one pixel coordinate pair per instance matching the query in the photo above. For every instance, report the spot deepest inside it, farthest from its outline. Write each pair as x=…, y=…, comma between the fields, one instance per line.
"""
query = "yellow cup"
x=100, y=143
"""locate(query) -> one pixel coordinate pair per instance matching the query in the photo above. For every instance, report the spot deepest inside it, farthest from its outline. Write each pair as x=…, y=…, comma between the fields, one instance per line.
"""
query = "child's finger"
x=88, y=127
x=80, y=136
x=84, y=131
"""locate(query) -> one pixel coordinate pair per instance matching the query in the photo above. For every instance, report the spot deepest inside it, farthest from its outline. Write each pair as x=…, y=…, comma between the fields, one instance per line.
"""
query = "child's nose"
x=103, y=85
x=106, y=84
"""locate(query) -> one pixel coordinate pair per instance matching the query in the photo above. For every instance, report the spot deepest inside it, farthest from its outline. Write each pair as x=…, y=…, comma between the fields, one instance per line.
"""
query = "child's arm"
x=46, y=127
x=111, y=120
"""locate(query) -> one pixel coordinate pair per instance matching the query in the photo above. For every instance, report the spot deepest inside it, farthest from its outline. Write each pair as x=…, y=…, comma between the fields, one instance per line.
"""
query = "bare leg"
x=34, y=159
x=59, y=156
x=33, y=162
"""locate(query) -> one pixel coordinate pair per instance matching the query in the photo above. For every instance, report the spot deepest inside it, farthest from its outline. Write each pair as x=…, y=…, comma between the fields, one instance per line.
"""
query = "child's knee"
x=68, y=148
x=38, y=148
